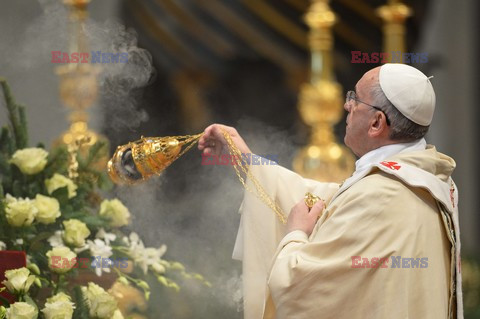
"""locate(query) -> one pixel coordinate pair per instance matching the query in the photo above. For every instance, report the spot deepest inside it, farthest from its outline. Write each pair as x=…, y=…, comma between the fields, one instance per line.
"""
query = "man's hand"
x=212, y=142
x=301, y=218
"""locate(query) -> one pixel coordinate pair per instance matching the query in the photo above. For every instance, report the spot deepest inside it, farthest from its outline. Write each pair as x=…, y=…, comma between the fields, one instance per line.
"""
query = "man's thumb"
x=317, y=209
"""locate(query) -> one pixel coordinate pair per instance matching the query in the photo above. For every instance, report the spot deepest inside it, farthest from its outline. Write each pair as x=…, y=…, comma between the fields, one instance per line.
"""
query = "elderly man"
x=383, y=244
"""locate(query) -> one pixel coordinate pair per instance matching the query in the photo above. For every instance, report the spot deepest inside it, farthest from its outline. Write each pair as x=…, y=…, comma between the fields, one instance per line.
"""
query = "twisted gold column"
x=394, y=15
x=321, y=104
x=78, y=83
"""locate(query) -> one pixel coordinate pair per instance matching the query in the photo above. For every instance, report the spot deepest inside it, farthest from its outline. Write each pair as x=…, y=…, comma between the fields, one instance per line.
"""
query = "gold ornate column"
x=78, y=82
x=321, y=104
x=394, y=15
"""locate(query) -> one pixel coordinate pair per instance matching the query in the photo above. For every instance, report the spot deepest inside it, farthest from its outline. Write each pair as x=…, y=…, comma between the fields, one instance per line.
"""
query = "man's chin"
x=347, y=144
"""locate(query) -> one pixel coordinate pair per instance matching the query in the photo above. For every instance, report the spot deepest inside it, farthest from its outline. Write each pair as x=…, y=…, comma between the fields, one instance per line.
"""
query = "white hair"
x=401, y=127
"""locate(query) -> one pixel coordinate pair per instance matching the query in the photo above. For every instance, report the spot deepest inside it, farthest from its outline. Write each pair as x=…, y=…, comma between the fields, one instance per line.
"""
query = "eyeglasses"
x=351, y=95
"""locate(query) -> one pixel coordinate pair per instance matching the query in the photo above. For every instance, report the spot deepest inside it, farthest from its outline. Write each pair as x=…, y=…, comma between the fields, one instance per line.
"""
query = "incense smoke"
x=191, y=208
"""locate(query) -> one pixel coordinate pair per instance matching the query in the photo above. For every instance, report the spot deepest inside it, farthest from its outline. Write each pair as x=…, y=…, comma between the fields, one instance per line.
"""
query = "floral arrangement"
x=65, y=228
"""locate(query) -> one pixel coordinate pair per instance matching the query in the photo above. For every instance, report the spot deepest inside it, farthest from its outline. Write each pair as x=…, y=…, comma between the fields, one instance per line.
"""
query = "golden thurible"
x=139, y=160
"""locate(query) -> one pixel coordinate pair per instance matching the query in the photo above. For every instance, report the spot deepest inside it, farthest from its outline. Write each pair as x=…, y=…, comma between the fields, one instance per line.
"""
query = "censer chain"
x=260, y=193
x=238, y=165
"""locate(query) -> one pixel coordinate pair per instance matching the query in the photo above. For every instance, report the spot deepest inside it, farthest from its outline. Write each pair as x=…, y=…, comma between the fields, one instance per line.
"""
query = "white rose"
x=75, y=232
x=30, y=160
x=59, y=307
x=59, y=181
x=116, y=212
x=101, y=303
x=117, y=314
x=3, y=246
x=48, y=209
x=18, y=280
x=20, y=212
x=22, y=310
x=59, y=297
x=61, y=259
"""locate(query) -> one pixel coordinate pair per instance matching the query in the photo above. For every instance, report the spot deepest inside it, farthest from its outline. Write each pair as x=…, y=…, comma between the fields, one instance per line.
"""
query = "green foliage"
x=35, y=238
x=17, y=117
x=4, y=301
x=81, y=311
x=471, y=287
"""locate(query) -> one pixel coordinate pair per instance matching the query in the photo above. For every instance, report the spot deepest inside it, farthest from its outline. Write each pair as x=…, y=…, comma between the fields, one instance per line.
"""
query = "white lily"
x=99, y=250
x=56, y=239
x=143, y=257
x=107, y=237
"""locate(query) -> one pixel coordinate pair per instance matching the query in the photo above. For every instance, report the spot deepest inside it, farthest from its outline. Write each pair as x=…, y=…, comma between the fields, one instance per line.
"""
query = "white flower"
x=59, y=181
x=115, y=211
x=59, y=307
x=3, y=246
x=19, y=280
x=101, y=303
x=107, y=237
x=149, y=257
x=21, y=310
x=117, y=314
x=56, y=240
x=158, y=268
x=20, y=212
x=103, y=235
x=144, y=257
x=48, y=209
x=75, y=232
x=79, y=250
x=61, y=259
x=30, y=160
x=99, y=250
x=61, y=296
x=19, y=241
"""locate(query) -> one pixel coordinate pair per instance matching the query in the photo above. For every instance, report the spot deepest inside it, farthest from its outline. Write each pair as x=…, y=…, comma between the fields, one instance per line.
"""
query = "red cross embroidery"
x=391, y=165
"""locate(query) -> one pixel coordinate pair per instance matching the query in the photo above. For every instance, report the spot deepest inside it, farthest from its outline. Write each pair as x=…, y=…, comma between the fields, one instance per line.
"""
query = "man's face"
x=359, y=114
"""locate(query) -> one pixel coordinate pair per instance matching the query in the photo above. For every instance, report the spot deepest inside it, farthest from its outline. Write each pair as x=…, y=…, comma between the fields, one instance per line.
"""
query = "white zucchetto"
x=409, y=90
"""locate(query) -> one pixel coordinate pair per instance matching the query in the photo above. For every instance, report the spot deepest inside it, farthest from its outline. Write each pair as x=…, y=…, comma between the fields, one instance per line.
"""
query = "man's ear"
x=378, y=126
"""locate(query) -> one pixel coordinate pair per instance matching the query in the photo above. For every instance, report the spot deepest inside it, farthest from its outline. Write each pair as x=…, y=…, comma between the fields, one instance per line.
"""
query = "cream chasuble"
x=392, y=207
